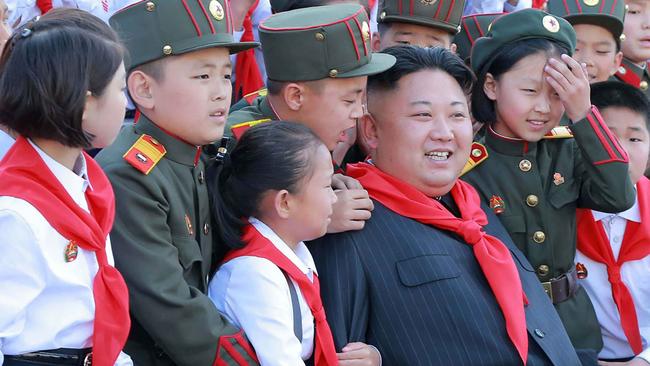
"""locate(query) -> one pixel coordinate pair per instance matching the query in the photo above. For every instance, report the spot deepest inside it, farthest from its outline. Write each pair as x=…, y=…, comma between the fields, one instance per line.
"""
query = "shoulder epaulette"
x=477, y=155
x=250, y=97
x=239, y=129
x=145, y=153
x=628, y=76
x=560, y=132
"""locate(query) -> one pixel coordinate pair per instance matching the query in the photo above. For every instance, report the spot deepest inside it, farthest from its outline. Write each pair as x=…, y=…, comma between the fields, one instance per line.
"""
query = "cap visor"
x=380, y=62
x=612, y=24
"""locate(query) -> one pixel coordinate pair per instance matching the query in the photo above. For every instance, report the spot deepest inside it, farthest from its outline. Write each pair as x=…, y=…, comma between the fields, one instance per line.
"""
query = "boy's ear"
x=294, y=95
x=490, y=87
x=141, y=89
x=618, y=59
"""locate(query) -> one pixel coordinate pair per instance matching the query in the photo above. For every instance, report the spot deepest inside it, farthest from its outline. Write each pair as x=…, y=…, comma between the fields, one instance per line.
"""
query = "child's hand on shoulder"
x=570, y=81
x=359, y=354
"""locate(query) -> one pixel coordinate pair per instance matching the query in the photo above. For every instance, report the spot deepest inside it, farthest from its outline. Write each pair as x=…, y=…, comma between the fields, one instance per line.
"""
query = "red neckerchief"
x=24, y=175
x=44, y=6
x=259, y=246
x=248, y=78
x=593, y=242
x=492, y=255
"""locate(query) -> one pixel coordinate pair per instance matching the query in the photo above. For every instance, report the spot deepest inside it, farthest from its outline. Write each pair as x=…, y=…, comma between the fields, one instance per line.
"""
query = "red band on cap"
x=196, y=26
x=611, y=11
x=478, y=26
x=469, y=36
x=579, y=6
x=566, y=6
x=399, y=7
x=229, y=26
x=365, y=48
x=354, y=41
x=438, y=10
x=206, y=16
x=451, y=7
x=411, y=7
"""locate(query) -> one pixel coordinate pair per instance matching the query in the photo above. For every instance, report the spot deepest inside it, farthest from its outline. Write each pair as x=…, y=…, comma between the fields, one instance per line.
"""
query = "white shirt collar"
x=631, y=214
x=301, y=257
x=74, y=182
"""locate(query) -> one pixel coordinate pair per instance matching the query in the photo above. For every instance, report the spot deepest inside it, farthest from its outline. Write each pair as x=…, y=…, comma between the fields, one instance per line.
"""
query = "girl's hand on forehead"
x=570, y=81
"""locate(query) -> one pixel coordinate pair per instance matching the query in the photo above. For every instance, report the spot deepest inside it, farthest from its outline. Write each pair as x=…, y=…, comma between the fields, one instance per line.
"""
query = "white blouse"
x=45, y=302
x=253, y=294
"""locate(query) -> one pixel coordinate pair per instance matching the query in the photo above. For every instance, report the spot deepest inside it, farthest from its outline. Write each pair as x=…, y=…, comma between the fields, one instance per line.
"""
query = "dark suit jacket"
x=418, y=294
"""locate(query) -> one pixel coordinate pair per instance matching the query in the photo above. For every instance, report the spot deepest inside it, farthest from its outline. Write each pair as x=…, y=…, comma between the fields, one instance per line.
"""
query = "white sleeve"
x=257, y=298
x=21, y=273
x=123, y=360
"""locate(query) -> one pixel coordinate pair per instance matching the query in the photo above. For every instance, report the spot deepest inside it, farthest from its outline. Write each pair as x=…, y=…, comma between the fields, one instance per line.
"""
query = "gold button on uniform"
x=525, y=165
x=643, y=85
x=150, y=6
x=167, y=50
x=539, y=237
x=532, y=200
x=206, y=229
x=542, y=270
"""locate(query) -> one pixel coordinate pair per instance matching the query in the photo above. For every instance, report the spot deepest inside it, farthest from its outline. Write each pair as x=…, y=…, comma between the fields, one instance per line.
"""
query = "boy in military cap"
x=636, y=45
x=317, y=61
x=426, y=23
x=599, y=28
x=179, y=79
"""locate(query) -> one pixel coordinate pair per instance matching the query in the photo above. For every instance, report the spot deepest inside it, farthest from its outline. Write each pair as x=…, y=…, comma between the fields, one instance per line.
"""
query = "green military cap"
x=517, y=26
x=605, y=13
x=444, y=14
x=472, y=27
x=153, y=29
x=320, y=42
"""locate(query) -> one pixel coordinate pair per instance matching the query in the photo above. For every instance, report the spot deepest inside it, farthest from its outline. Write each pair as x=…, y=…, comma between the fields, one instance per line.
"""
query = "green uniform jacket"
x=633, y=74
x=541, y=185
x=259, y=111
x=162, y=244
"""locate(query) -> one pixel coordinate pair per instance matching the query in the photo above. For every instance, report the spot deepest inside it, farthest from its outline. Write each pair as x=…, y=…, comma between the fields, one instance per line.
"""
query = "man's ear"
x=282, y=203
x=490, y=87
x=375, y=42
x=368, y=132
x=141, y=88
x=294, y=95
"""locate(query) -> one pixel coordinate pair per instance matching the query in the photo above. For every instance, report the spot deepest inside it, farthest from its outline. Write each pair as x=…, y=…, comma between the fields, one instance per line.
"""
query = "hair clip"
x=26, y=32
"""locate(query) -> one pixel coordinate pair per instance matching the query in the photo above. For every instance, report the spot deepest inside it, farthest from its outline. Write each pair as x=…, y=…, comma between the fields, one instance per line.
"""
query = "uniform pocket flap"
x=427, y=268
x=564, y=193
x=188, y=251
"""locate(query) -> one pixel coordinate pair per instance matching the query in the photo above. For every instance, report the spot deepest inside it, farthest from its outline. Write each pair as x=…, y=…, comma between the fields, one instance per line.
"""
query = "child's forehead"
x=622, y=117
x=593, y=32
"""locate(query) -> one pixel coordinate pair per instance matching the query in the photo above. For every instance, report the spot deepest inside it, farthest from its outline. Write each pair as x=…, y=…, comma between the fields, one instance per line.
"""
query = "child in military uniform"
x=636, y=46
x=614, y=247
x=422, y=23
x=599, y=28
x=317, y=61
x=179, y=79
x=533, y=175
x=62, y=301
x=279, y=179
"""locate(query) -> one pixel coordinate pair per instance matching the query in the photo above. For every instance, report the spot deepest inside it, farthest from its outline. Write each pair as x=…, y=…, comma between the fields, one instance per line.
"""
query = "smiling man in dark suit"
x=433, y=278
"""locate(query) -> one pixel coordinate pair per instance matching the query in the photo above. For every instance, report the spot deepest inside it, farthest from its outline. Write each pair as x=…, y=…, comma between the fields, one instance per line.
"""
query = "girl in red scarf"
x=61, y=91
x=273, y=194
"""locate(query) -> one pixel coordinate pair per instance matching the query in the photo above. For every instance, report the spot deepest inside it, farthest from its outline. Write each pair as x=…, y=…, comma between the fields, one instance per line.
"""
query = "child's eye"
x=404, y=42
x=529, y=90
x=458, y=115
x=602, y=52
x=227, y=76
x=348, y=101
x=635, y=139
x=203, y=77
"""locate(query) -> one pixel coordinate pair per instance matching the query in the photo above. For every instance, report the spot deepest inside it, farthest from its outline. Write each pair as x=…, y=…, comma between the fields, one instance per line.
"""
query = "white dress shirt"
x=635, y=275
x=494, y=6
x=6, y=142
x=253, y=294
x=45, y=302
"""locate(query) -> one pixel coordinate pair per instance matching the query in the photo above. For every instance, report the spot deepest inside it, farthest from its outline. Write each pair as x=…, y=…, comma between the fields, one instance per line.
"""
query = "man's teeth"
x=438, y=155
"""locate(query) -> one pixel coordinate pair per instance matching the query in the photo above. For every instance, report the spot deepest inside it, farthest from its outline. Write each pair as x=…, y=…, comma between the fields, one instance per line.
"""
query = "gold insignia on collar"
x=551, y=24
x=365, y=31
x=216, y=10
x=591, y=2
x=428, y=2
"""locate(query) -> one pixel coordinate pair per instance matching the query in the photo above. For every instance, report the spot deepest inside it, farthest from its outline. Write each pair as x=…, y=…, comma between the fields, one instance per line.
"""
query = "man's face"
x=331, y=106
x=423, y=136
x=399, y=34
x=597, y=49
